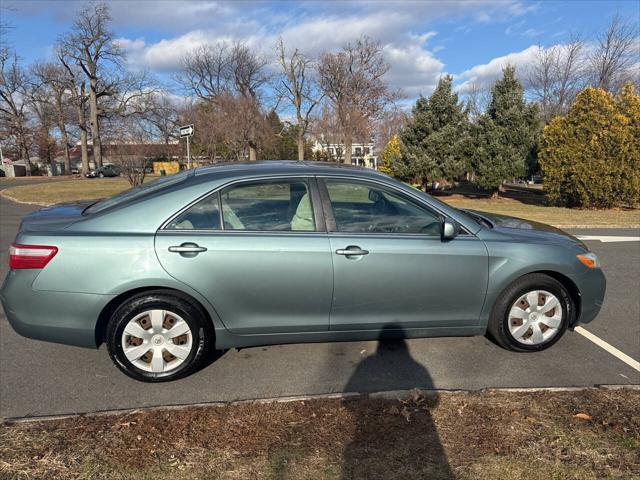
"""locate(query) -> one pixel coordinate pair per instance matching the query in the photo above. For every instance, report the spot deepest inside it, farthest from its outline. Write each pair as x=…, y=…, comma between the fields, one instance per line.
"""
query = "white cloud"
x=173, y=27
x=483, y=76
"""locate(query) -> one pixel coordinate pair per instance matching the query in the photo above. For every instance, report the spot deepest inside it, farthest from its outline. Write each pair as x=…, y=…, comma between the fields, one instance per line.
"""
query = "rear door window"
x=204, y=215
x=274, y=205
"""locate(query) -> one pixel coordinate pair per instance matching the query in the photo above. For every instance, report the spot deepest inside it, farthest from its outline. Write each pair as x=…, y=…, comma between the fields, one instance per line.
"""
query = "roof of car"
x=275, y=167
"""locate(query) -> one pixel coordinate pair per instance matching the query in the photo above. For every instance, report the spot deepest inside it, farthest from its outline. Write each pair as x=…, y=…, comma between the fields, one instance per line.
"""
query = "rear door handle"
x=187, y=248
x=352, y=250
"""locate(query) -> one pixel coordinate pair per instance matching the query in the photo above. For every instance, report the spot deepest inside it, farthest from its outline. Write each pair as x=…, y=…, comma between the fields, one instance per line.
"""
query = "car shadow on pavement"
x=393, y=439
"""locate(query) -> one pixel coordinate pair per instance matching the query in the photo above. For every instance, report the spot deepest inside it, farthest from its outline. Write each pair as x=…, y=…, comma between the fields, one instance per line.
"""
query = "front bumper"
x=61, y=317
x=592, y=286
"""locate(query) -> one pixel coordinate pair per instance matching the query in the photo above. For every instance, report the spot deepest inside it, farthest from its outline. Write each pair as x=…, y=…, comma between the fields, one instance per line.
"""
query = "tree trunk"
x=300, y=146
x=24, y=151
x=95, y=127
x=347, y=150
x=253, y=154
x=64, y=137
x=82, y=124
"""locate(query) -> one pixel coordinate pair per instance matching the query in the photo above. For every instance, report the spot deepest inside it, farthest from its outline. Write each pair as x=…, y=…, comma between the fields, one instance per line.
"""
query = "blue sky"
x=471, y=40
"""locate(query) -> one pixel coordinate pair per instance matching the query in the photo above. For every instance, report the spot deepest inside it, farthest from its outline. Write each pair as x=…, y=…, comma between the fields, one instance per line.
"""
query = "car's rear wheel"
x=531, y=314
x=158, y=337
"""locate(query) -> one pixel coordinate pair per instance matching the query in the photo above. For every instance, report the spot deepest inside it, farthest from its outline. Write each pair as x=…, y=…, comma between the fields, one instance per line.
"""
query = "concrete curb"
x=385, y=395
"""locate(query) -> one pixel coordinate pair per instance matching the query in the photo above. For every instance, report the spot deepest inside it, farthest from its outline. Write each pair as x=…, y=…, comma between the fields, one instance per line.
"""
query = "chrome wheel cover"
x=157, y=341
x=535, y=317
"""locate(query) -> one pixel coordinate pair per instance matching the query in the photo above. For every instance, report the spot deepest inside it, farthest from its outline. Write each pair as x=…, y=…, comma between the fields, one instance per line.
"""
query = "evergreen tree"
x=390, y=156
x=591, y=156
x=505, y=137
x=434, y=140
x=282, y=141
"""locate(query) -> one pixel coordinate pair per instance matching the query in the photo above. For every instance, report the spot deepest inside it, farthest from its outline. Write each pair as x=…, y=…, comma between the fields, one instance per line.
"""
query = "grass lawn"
x=552, y=215
x=529, y=205
x=587, y=434
x=68, y=190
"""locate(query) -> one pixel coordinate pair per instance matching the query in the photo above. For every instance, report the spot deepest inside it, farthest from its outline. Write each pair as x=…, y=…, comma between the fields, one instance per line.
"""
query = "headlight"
x=590, y=259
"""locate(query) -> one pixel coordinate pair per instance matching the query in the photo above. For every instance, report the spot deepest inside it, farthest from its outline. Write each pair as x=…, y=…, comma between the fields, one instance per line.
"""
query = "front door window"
x=365, y=208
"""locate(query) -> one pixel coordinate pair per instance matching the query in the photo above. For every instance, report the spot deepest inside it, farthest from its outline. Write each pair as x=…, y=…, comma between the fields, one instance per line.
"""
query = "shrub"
x=590, y=158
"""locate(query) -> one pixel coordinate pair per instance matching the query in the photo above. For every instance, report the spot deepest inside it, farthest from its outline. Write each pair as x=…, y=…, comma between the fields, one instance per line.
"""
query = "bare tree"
x=162, y=118
x=353, y=81
x=13, y=107
x=299, y=87
x=614, y=55
x=556, y=75
x=214, y=73
x=477, y=99
x=79, y=99
x=389, y=125
x=40, y=100
x=207, y=71
x=129, y=147
x=328, y=133
x=52, y=80
x=90, y=44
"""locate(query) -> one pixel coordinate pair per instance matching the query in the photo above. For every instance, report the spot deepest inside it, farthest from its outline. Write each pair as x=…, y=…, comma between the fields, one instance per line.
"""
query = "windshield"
x=137, y=192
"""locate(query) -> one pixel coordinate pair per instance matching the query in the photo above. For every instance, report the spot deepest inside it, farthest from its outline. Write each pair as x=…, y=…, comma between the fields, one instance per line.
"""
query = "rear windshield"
x=137, y=192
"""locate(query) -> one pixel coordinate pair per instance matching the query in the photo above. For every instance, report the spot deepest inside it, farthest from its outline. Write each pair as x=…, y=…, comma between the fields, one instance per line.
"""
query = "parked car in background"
x=104, y=171
x=245, y=254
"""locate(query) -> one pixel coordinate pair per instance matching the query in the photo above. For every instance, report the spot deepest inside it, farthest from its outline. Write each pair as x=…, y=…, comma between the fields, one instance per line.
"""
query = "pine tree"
x=505, y=137
x=591, y=156
x=390, y=156
x=433, y=141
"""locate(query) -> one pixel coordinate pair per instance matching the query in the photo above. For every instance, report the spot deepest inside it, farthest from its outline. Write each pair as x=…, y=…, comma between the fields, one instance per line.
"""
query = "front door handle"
x=187, y=248
x=352, y=250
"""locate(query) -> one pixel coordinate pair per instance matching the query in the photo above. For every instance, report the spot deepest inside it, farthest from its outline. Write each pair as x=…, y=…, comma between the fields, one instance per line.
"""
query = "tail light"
x=30, y=256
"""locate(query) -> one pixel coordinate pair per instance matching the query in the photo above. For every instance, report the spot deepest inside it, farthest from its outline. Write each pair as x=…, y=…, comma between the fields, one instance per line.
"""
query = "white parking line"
x=609, y=348
x=608, y=238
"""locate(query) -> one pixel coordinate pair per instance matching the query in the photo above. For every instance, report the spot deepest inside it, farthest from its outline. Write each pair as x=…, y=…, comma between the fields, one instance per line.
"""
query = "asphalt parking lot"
x=38, y=378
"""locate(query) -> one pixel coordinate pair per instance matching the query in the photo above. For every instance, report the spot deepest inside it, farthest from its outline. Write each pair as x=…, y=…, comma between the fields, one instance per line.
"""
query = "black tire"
x=498, y=327
x=201, y=331
x=101, y=175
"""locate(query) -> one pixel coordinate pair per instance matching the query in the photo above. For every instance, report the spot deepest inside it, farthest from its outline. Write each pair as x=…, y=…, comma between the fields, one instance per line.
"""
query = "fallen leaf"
x=530, y=419
x=583, y=416
x=405, y=413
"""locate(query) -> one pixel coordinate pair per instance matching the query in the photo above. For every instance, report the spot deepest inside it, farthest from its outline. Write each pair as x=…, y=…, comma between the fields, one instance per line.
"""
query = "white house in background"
x=362, y=154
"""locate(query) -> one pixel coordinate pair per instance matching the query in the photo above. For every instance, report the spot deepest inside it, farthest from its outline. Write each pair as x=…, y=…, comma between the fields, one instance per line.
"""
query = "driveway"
x=38, y=378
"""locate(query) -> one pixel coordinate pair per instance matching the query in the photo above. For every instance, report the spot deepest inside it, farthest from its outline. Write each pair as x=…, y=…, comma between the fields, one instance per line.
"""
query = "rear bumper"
x=61, y=317
x=592, y=286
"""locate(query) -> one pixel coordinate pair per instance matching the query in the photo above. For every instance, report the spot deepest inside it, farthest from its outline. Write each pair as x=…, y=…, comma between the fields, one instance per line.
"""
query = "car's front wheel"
x=158, y=337
x=531, y=314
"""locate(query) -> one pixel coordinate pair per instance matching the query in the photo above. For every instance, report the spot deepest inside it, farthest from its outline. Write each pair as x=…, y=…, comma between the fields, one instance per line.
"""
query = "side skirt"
x=225, y=339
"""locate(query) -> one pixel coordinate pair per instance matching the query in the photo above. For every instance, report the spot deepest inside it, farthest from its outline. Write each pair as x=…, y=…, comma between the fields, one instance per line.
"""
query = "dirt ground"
x=585, y=434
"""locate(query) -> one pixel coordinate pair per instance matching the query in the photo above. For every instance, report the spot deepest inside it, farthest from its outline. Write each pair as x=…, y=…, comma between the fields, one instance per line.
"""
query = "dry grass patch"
x=465, y=436
x=68, y=190
x=550, y=215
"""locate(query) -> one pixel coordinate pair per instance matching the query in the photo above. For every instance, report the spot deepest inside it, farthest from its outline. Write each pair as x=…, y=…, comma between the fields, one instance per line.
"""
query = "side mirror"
x=449, y=229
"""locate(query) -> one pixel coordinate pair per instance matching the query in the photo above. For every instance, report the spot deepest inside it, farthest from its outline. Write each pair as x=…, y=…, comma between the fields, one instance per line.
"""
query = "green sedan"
x=261, y=253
